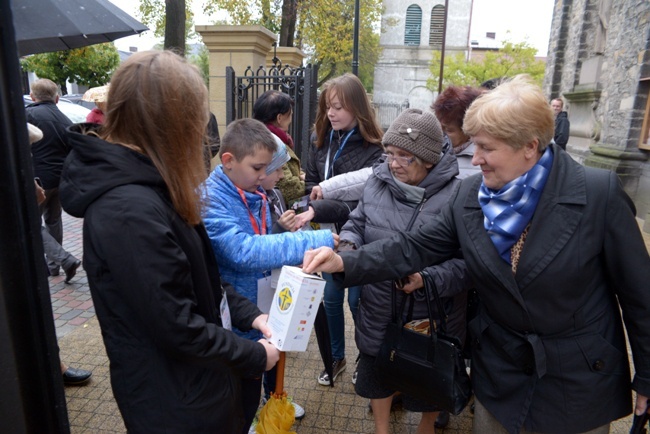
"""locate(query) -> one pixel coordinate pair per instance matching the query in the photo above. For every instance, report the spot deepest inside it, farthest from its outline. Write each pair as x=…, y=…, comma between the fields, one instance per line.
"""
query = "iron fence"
x=386, y=112
x=299, y=83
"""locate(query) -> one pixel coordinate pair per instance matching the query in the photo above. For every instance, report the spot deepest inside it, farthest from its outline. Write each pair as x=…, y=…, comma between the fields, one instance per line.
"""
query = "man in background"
x=48, y=155
x=562, y=124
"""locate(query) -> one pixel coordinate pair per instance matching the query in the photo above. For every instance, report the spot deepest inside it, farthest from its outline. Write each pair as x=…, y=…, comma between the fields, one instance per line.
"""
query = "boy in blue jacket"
x=238, y=213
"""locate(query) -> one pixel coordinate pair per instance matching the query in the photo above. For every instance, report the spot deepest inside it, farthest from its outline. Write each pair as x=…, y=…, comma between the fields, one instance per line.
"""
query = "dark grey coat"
x=549, y=352
x=384, y=211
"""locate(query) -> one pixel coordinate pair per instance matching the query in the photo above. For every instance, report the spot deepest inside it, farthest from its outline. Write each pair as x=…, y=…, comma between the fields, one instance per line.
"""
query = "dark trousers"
x=51, y=211
x=250, y=394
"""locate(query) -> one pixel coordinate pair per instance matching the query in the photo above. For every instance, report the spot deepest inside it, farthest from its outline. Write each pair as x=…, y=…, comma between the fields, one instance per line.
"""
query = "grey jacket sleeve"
x=347, y=186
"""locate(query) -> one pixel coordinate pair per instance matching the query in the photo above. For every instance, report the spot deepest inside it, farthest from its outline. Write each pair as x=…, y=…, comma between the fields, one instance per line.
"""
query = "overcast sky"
x=529, y=19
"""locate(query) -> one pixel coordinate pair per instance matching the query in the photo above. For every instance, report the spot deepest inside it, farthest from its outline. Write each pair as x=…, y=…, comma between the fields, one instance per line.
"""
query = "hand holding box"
x=294, y=308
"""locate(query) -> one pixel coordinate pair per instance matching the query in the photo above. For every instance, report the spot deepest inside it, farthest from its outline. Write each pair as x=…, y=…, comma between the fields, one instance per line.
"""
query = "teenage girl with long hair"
x=166, y=316
x=347, y=137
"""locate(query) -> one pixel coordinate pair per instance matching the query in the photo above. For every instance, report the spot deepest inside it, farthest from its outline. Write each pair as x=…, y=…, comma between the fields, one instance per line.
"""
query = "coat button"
x=598, y=365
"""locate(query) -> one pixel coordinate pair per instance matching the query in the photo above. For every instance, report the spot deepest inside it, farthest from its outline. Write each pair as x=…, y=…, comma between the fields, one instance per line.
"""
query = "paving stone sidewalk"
x=92, y=408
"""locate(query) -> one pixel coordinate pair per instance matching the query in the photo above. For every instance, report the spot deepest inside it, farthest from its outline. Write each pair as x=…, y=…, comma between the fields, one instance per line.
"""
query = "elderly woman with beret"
x=557, y=258
x=412, y=183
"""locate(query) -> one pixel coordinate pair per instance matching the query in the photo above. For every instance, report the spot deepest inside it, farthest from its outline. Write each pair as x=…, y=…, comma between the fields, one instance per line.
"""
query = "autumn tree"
x=88, y=66
x=510, y=60
x=321, y=28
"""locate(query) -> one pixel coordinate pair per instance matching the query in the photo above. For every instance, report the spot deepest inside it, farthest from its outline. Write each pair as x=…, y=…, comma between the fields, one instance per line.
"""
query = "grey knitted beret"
x=418, y=133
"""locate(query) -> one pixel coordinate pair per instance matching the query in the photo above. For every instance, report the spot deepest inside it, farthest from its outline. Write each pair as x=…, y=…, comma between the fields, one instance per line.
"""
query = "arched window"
x=437, y=26
x=413, y=25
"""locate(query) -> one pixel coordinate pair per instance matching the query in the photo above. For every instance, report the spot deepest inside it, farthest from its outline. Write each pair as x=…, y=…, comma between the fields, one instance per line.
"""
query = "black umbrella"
x=324, y=341
x=55, y=25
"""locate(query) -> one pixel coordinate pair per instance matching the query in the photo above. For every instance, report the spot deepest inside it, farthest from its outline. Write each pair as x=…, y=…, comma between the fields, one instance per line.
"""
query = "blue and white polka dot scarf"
x=508, y=210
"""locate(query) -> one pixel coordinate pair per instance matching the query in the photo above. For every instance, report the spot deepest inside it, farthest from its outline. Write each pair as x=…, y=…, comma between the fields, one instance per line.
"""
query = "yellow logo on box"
x=285, y=299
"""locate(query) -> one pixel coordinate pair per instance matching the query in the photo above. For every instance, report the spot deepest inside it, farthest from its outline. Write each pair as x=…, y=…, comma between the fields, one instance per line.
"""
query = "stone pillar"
x=289, y=56
x=583, y=103
x=235, y=46
x=584, y=128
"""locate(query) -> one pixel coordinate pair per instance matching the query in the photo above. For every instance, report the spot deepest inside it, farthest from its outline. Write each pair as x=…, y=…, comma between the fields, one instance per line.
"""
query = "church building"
x=410, y=32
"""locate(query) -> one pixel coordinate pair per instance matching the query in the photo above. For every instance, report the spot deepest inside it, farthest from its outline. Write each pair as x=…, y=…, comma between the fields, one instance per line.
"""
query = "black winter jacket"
x=562, y=124
x=356, y=155
x=549, y=351
x=48, y=154
x=156, y=288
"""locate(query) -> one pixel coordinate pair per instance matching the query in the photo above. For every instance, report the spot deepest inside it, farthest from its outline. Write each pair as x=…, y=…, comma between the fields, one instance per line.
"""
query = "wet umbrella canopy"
x=55, y=25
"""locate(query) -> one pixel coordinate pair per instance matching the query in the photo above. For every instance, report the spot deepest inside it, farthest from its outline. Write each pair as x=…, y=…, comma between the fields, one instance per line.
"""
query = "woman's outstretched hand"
x=322, y=259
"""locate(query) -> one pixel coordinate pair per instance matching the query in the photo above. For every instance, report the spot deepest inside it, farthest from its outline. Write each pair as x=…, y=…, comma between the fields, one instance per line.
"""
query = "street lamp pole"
x=442, y=48
x=355, y=46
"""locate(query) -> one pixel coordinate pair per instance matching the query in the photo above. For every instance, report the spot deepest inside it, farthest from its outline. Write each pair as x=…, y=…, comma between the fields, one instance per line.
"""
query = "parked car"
x=76, y=113
x=76, y=99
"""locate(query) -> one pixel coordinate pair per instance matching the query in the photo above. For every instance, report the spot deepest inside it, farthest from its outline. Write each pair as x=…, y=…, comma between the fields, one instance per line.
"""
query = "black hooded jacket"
x=156, y=289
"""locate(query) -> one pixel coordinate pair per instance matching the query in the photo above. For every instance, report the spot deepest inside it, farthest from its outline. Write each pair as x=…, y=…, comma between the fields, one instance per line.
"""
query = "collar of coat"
x=557, y=217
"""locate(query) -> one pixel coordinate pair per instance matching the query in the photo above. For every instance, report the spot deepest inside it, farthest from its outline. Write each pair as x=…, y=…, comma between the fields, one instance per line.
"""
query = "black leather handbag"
x=428, y=367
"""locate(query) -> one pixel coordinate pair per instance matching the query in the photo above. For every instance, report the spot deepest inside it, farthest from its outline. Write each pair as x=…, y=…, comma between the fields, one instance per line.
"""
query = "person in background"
x=96, y=115
x=98, y=96
x=558, y=260
x=48, y=155
x=71, y=376
x=412, y=184
x=562, y=124
x=275, y=110
x=450, y=108
x=282, y=219
x=212, y=143
x=165, y=313
x=237, y=213
x=347, y=138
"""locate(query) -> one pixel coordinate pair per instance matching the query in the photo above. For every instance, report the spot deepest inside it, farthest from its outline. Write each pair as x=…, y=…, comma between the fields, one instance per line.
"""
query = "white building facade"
x=410, y=32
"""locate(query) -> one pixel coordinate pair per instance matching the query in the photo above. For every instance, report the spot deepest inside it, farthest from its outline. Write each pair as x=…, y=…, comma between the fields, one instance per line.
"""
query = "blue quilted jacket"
x=243, y=256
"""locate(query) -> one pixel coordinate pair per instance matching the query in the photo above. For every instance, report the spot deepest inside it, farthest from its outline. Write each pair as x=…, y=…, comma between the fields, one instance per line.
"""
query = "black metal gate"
x=299, y=83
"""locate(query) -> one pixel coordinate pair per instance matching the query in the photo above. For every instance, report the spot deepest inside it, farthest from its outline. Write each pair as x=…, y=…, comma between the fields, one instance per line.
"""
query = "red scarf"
x=286, y=138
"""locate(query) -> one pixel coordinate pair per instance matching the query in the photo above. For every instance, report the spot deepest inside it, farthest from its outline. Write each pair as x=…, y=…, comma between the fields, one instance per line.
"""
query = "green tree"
x=202, y=61
x=510, y=60
x=323, y=29
x=88, y=66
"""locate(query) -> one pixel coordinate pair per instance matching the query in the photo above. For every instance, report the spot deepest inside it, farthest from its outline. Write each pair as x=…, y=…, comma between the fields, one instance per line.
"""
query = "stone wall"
x=599, y=52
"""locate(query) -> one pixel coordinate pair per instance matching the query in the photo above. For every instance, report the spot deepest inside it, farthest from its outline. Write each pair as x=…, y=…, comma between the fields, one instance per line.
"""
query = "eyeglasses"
x=402, y=161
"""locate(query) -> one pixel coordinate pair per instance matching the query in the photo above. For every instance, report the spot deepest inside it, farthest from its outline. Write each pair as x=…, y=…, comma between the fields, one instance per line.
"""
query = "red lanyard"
x=256, y=227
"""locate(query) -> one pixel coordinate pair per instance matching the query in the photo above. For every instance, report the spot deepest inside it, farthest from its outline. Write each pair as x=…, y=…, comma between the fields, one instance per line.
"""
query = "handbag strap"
x=429, y=290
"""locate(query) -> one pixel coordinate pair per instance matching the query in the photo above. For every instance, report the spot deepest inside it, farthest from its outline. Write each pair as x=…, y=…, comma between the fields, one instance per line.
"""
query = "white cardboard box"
x=294, y=308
